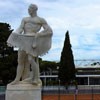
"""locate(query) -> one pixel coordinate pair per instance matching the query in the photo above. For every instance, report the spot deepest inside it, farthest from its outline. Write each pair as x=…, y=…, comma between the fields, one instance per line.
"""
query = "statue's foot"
x=14, y=82
x=37, y=82
x=26, y=81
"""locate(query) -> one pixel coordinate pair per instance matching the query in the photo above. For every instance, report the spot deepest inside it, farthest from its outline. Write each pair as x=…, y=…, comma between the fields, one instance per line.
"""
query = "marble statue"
x=32, y=43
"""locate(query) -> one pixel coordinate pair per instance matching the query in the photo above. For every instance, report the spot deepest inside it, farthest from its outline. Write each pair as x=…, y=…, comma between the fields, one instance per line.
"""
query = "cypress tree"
x=67, y=67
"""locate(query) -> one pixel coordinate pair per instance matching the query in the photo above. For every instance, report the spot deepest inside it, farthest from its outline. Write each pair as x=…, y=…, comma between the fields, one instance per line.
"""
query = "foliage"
x=67, y=67
x=8, y=57
x=5, y=31
x=47, y=65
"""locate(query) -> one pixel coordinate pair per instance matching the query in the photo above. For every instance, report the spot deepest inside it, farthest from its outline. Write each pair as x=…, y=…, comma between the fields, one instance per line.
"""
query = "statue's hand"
x=39, y=34
x=34, y=46
x=9, y=45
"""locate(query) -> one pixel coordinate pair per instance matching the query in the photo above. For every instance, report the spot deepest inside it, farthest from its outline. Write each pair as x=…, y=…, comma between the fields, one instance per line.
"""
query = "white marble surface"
x=23, y=92
x=33, y=38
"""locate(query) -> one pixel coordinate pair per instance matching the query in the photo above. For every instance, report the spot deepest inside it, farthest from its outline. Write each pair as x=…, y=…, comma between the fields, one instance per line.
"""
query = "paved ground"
x=72, y=97
x=66, y=97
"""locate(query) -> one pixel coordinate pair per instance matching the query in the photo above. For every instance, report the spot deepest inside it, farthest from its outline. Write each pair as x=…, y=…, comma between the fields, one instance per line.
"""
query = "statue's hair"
x=33, y=6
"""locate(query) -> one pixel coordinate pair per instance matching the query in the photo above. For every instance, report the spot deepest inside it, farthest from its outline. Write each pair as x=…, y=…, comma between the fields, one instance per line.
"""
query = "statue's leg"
x=35, y=70
x=20, y=67
x=26, y=72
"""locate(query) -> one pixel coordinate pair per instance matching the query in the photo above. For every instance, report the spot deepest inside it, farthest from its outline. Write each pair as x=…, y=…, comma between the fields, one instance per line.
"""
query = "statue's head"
x=32, y=8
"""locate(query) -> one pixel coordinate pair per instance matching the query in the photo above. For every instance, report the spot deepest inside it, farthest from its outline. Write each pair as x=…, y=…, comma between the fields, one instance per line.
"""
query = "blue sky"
x=80, y=17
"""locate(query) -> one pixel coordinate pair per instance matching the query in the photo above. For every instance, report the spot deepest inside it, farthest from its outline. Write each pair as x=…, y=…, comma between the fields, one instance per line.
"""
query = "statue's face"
x=32, y=9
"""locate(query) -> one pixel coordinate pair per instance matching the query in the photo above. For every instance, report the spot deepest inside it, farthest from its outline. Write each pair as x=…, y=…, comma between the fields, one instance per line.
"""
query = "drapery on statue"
x=32, y=42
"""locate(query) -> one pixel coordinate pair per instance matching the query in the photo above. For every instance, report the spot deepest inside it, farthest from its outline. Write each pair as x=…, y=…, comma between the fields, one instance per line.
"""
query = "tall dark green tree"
x=8, y=57
x=67, y=67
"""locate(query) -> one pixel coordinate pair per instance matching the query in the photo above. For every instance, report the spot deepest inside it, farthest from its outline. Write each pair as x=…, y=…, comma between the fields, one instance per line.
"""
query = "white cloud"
x=51, y=55
x=80, y=17
x=85, y=54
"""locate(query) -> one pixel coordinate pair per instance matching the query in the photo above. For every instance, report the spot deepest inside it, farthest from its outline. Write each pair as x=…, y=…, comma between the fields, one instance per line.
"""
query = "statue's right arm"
x=21, y=27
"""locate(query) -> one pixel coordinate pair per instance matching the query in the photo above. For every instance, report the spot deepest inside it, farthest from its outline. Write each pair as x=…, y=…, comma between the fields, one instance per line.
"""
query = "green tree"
x=67, y=67
x=5, y=31
x=47, y=65
x=8, y=57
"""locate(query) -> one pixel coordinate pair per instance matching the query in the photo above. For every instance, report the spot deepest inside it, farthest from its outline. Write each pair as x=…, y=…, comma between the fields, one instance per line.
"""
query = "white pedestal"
x=23, y=92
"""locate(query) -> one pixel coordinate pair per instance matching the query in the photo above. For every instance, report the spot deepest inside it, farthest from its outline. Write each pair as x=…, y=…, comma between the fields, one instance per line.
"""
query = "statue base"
x=23, y=92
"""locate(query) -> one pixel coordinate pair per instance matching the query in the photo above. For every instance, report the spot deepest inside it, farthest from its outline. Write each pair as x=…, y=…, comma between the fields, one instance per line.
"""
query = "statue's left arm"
x=46, y=28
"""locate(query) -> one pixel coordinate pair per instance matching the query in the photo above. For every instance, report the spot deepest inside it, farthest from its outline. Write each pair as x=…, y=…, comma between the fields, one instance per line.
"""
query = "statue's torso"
x=32, y=25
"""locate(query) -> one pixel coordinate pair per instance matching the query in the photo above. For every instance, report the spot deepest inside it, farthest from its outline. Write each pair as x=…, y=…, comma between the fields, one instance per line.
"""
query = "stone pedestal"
x=23, y=92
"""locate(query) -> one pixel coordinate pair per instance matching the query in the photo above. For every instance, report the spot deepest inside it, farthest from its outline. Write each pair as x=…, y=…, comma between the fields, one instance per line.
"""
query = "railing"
x=2, y=89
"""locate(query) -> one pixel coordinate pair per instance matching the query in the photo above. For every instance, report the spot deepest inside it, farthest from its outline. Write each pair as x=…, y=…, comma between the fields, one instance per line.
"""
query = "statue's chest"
x=33, y=21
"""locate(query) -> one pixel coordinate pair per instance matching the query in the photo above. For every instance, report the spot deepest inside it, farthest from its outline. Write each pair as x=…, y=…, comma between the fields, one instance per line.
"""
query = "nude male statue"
x=30, y=26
